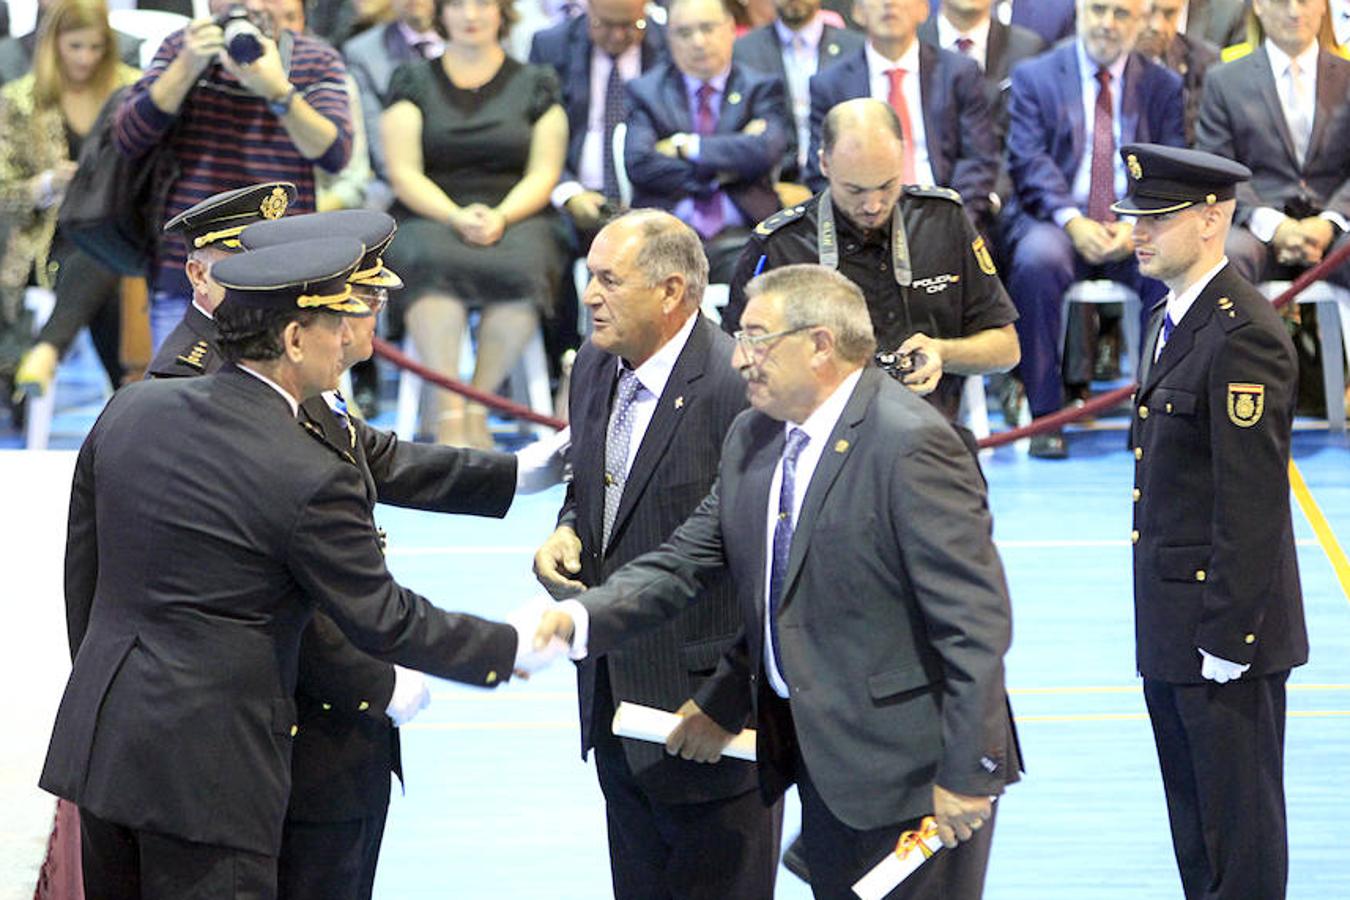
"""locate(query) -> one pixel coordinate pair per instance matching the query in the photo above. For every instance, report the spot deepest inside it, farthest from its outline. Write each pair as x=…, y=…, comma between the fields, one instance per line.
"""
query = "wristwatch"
x=282, y=105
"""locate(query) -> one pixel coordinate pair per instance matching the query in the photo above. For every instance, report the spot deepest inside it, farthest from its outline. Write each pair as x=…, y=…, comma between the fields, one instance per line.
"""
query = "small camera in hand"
x=243, y=40
x=897, y=364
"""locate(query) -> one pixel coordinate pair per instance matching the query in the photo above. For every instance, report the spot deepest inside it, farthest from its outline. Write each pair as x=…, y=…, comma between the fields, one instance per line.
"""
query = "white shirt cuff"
x=1065, y=215
x=691, y=148
x=581, y=628
x=1335, y=218
x=1263, y=222
x=565, y=191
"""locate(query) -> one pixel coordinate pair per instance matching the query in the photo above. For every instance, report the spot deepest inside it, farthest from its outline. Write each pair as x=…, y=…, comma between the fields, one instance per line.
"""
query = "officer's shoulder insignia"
x=1246, y=403
x=195, y=357
x=1230, y=316
x=932, y=190
x=983, y=257
x=779, y=219
x=1237, y=51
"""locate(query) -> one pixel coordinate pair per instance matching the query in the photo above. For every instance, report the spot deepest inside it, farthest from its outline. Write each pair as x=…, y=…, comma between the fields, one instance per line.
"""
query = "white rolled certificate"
x=645, y=723
x=912, y=850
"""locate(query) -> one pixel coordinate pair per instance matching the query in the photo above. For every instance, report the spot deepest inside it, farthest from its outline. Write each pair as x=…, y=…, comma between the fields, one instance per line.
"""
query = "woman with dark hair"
x=44, y=117
x=475, y=143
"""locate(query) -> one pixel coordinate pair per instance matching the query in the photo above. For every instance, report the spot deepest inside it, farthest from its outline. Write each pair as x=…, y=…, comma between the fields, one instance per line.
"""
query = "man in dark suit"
x=793, y=48
x=1279, y=109
x=374, y=54
x=644, y=454
x=596, y=55
x=874, y=611
x=190, y=674
x=1191, y=57
x=939, y=97
x=211, y=230
x=705, y=134
x=16, y=53
x=1220, y=22
x=1218, y=607
x=968, y=27
x=1069, y=112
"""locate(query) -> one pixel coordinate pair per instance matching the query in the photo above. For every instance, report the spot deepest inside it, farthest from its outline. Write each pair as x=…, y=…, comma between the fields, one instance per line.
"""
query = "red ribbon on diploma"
x=914, y=840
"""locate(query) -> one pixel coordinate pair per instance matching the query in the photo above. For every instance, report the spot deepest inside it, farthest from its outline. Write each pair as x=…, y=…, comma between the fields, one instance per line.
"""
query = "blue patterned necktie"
x=1168, y=325
x=344, y=419
x=616, y=110
x=617, y=439
x=782, y=538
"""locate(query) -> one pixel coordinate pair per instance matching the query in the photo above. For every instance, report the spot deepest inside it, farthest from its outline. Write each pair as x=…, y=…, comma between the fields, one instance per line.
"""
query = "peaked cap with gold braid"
x=372, y=228
x=218, y=220
x=298, y=275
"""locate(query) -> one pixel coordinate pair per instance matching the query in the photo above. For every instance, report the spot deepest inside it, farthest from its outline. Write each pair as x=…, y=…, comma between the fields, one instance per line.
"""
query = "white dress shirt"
x=1088, y=88
x=1179, y=305
x=818, y=427
x=591, y=166
x=880, y=84
x=800, y=51
x=290, y=401
x=652, y=376
x=948, y=35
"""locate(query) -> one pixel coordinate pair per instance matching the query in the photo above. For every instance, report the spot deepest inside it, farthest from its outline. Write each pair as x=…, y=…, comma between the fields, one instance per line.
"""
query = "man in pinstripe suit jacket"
x=675, y=828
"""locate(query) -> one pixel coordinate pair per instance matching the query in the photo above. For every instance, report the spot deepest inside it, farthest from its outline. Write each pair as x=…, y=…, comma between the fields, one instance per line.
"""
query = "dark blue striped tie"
x=782, y=539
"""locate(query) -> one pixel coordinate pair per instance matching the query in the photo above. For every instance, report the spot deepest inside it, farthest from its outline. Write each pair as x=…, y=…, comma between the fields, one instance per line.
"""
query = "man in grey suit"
x=1280, y=110
x=875, y=615
x=792, y=48
x=653, y=394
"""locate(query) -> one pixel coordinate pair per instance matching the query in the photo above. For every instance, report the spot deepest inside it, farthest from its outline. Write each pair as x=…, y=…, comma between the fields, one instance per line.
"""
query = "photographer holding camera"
x=239, y=101
x=934, y=296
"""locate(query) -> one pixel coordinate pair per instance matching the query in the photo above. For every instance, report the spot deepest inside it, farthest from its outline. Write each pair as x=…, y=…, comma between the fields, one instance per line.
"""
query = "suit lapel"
x=754, y=510
x=828, y=50
x=928, y=85
x=1071, y=99
x=1331, y=92
x=592, y=416
x=1129, y=98
x=679, y=392
x=1155, y=322
x=1264, y=76
x=996, y=54
x=1183, y=336
x=841, y=445
x=677, y=100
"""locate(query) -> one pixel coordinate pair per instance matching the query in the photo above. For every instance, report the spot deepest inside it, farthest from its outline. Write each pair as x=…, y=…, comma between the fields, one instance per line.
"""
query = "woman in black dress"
x=475, y=143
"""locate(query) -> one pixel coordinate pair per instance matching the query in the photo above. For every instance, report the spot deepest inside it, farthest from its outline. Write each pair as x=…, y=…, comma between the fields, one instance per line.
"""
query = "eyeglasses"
x=602, y=25
x=753, y=344
x=375, y=298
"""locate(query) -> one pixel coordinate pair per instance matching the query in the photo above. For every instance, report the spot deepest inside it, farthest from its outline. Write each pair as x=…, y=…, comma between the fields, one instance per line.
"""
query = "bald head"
x=859, y=118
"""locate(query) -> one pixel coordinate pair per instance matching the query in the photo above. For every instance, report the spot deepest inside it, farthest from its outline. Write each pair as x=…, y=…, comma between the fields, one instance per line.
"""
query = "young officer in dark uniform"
x=348, y=703
x=928, y=276
x=206, y=523
x=211, y=231
x=1218, y=609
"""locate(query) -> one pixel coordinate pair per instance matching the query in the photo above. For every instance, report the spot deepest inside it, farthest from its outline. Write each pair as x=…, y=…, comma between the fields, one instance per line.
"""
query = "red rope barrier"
x=403, y=361
x=1111, y=398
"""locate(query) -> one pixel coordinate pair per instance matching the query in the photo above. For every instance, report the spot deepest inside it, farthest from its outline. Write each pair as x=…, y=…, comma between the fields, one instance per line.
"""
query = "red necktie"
x=897, y=100
x=1102, y=184
x=708, y=216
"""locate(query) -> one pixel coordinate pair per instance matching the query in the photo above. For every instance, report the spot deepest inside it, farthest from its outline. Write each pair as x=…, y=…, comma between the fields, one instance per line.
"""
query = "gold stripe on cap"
x=306, y=301
x=212, y=236
x=1118, y=208
x=362, y=274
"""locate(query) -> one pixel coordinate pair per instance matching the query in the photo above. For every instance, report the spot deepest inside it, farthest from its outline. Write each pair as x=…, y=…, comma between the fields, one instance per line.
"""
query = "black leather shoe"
x=1010, y=397
x=794, y=860
x=1050, y=445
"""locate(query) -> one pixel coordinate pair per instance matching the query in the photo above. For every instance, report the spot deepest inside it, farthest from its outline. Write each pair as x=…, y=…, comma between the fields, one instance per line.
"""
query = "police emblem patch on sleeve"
x=1246, y=403
x=982, y=257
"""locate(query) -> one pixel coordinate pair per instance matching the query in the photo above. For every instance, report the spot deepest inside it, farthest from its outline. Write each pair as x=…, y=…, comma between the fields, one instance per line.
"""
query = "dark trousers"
x=86, y=294
x=1043, y=266
x=1221, y=749
x=329, y=860
x=122, y=863
x=839, y=855
x=713, y=850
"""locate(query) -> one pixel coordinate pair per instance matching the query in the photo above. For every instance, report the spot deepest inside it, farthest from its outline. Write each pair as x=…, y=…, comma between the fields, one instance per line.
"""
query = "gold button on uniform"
x=1134, y=537
x=294, y=730
x=363, y=705
x=1138, y=452
x=1137, y=494
x=1143, y=412
x=491, y=677
x=1250, y=639
x=327, y=707
x=1168, y=407
x=1199, y=574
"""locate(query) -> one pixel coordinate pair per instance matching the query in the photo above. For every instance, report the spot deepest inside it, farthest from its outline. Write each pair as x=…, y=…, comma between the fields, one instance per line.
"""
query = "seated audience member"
x=938, y=96
x=705, y=134
x=1220, y=22
x=969, y=28
x=372, y=57
x=1162, y=41
x=16, y=53
x=279, y=122
x=44, y=118
x=595, y=55
x=338, y=21
x=1053, y=20
x=474, y=142
x=795, y=46
x=1070, y=111
x=1280, y=109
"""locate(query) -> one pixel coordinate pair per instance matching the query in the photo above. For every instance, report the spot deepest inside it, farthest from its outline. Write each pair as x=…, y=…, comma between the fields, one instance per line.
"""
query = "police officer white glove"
x=411, y=695
x=1220, y=671
x=540, y=465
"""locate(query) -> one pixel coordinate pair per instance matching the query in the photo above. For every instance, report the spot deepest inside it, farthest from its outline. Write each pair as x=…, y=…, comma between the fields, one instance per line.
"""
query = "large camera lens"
x=242, y=38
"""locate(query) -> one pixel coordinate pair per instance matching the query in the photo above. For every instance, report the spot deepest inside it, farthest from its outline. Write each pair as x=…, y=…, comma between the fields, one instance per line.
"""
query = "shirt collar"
x=821, y=422
x=909, y=60
x=413, y=38
x=718, y=82
x=811, y=32
x=201, y=310
x=1178, y=306
x=655, y=372
x=290, y=401
x=1088, y=68
x=1279, y=60
x=948, y=33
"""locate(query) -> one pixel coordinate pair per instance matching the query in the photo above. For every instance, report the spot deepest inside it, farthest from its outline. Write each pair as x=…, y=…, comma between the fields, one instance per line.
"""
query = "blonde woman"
x=44, y=118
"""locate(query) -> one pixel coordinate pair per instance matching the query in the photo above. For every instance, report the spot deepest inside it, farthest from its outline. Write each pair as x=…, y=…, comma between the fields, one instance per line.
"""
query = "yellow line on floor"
x=1116, y=717
x=1325, y=536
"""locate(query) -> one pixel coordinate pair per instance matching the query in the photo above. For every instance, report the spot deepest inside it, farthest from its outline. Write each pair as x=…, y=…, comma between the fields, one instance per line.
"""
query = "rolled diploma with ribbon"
x=912, y=850
x=645, y=723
